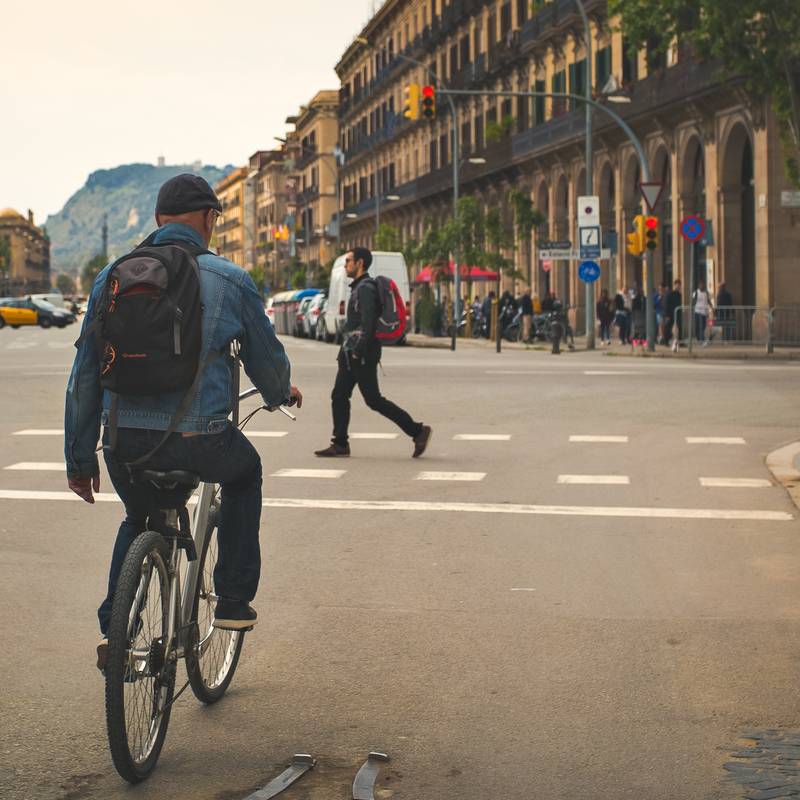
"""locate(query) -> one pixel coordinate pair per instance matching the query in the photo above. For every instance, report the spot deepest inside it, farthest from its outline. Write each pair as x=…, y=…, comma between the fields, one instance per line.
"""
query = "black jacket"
x=672, y=303
x=362, y=317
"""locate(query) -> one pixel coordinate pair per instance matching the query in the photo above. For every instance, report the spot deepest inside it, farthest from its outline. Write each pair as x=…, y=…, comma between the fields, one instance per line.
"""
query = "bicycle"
x=163, y=611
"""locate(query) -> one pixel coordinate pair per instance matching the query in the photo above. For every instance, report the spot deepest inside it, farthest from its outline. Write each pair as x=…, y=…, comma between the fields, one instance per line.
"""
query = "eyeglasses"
x=348, y=260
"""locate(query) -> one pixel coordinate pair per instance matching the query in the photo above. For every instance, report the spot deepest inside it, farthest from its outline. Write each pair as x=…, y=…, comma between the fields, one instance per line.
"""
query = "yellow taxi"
x=18, y=312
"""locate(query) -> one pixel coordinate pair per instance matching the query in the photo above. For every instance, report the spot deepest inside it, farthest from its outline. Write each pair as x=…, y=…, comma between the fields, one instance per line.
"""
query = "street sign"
x=693, y=228
x=562, y=245
x=570, y=255
x=790, y=199
x=588, y=211
x=589, y=242
x=589, y=271
x=651, y=193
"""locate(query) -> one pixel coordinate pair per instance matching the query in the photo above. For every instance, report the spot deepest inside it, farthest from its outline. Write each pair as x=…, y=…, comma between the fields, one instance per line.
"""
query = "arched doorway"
x=739, y=217
x=693, y=193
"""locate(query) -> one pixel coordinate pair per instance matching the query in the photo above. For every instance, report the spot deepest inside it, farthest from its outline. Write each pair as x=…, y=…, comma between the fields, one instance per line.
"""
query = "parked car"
x=14, y=314
x=300, y=317
x=312, y=315
x=30, y=311
x=320, y=332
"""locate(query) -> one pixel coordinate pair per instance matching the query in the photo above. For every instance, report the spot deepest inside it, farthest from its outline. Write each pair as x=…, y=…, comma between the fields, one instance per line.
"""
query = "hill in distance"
x=127, y=194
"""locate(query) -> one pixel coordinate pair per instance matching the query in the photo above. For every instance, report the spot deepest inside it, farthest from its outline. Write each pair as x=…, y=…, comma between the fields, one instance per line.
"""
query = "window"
x=630, y=63
x=464, y=46
x=491, y=114
x=559, y=84
x=477, y=47
x=539, y=103
x=522, y=12
x=505, y=108
x=465, y=138
x=656, y=57
x=577, y=80
x=453, y=60
x=602, y=67
x=433, y=155
x=443, y=150
x=522, y=113
x=479, y=142
x=505, y=20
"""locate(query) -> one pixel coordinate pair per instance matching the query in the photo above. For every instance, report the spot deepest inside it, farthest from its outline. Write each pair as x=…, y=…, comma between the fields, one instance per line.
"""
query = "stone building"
x=231, y=240
x=312, y=143
x=714, y=147
x=24, y=255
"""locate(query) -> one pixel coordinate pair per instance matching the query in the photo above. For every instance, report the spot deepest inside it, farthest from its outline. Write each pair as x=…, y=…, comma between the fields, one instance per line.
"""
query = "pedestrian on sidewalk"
x=672, y=304
x=605, y=315
x=486, y=315
x=621, y=319
x=638, y=319
x=725, y=314
x=358, y=361
x=701, y=300
x=526, y=304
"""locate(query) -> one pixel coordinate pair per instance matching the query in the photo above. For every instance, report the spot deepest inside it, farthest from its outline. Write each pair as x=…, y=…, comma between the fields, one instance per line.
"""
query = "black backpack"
x=148, y=328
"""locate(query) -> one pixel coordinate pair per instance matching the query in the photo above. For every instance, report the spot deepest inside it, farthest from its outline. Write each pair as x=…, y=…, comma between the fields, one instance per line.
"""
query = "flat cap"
x=185, y=193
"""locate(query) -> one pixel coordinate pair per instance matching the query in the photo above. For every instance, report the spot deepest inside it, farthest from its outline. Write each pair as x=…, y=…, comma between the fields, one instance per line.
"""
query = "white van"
x=54, y=298
x=392, y=265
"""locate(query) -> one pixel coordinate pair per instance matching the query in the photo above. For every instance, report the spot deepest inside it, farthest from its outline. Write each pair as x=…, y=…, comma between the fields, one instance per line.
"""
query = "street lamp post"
x=643, y=165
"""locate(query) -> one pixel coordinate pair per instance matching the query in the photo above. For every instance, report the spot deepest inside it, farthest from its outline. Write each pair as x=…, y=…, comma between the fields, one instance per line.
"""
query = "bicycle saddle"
x=166, y=479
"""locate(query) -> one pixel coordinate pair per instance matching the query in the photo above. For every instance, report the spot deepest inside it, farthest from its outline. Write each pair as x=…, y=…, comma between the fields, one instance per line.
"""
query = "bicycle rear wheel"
x=212, y=661
x=140, y=672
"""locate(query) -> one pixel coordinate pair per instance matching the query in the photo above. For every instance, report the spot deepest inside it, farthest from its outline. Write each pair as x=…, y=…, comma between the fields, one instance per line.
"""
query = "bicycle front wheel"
x=212, y=661
x=140, y=669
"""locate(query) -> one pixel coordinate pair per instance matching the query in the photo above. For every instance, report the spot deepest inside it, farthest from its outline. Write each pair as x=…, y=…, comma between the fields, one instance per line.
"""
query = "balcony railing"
x=470, y=74
x=308, y=195
x=306, y=156
x=502, y=54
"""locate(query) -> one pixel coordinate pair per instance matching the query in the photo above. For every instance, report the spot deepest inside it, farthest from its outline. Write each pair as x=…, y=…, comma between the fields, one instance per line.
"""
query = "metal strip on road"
x=467, y=508
x=265, y=434
x=373, y=435
x=301, y=763
x=364, y=783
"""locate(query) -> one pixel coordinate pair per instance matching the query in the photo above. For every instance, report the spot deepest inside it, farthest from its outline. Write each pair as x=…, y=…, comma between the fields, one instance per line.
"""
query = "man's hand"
x=83, y=487
x=295, y=398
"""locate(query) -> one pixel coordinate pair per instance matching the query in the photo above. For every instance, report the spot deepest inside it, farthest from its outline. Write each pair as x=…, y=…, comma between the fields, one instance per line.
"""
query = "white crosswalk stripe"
x=482, y=437
x=599, y=439
x=450, y=476
x=606, y=480
x=265, y=434
x=735, y=483
x=715, y=440
x=309, y=473
x=373, y=435
x=40, y=432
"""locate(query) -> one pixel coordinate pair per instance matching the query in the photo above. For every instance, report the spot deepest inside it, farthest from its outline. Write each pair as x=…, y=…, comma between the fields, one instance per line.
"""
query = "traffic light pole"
x=643, y=165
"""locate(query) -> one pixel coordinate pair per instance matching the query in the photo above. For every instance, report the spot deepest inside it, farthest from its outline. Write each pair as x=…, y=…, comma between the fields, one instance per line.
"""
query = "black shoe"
x=334, y=451
x=102, y=655
x=421, y=441
x=234, y=615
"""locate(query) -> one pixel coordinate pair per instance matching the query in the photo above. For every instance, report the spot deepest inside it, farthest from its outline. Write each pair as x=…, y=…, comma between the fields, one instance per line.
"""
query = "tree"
x=65, y=283
x=388, y=238
x=757, y=41
x=5, y=263
x=91, y=270
x=526, y=218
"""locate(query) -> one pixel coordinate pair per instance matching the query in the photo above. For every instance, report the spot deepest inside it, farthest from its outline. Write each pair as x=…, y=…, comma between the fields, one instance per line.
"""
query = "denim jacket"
x=232, y=310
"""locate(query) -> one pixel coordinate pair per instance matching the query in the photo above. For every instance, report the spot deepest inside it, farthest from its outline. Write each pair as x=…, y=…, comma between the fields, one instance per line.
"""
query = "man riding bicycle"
x=202, y=440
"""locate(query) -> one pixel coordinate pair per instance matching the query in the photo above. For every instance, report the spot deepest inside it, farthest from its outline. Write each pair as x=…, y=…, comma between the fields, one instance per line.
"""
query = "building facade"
x=231, y=240
x=24, y=255
x=313, y=144
x=713, y=147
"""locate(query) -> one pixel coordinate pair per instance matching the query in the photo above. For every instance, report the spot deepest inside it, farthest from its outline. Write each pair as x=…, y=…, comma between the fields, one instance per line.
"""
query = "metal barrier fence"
x=785, y=328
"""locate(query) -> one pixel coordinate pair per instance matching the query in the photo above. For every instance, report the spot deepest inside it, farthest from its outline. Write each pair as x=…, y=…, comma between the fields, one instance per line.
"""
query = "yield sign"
x=651, y=193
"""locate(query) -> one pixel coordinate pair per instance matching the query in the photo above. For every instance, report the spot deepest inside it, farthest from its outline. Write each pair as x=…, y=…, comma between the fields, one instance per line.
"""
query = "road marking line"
x=40, y=432
x=482, y=437
x=266, y=434
x=522, y=589
x=612, y=439
x=522, y=372
x=621, y=480
x=715, y=440
x=474, y=508
x=735, y=483
x=373, y=435
x=450, y=476
x=309, y=473
x=54, y=466
x=609, y=372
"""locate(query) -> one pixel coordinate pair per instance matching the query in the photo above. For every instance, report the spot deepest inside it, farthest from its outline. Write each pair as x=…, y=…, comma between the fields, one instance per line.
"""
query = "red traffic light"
x=651, y=223
x=428, y=91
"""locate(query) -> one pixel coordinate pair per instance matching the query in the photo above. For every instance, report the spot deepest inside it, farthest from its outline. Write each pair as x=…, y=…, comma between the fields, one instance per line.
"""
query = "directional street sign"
x=651, y=193
x=570, y=255
x=693, y=228
x=562, y=245
x=588, y=211
x=590, y=242
x=589, y=271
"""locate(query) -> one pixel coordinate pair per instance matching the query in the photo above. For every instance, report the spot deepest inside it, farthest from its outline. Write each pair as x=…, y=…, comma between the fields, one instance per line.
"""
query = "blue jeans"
x=700, y=324
x=226, y=458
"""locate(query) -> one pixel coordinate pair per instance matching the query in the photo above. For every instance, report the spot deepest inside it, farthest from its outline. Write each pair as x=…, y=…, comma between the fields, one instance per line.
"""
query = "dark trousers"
x=605, y=329
x=364, y=374
x=225, y=458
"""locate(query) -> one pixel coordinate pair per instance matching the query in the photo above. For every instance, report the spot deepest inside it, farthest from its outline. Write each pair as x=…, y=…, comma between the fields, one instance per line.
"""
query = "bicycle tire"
x=210, y=672
x=145, y=562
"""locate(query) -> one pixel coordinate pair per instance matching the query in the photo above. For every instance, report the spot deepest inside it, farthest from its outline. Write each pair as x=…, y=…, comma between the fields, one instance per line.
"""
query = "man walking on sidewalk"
x=358, y=363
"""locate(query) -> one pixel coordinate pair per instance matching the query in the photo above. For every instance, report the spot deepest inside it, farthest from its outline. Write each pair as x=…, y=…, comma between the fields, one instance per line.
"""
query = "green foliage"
x=257, y=274
x=756, y=40
x=429, y=314
x=299, y=279
x=91, y=270
x=65, y=284
x=5, y=257
x=497, y=131
x=388, y=238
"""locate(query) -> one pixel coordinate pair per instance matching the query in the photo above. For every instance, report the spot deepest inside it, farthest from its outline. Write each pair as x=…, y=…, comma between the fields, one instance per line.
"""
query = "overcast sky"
x=92, y=84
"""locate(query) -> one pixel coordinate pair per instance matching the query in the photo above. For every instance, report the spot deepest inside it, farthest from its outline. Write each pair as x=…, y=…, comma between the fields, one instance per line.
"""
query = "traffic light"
x=429, y=102
x=651, y=232
x=411, y=101
x=636, y=239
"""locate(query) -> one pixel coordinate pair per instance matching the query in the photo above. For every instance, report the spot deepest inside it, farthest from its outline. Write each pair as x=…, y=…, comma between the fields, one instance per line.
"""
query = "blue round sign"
x=589, y=271
x=693, y=228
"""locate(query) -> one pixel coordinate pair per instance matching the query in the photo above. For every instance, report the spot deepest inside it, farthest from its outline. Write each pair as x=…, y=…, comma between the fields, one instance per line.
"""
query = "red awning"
x=428, y=274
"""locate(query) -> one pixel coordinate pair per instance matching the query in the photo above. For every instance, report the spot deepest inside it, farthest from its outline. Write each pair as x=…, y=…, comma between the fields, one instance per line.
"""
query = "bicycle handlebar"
x=250, y=392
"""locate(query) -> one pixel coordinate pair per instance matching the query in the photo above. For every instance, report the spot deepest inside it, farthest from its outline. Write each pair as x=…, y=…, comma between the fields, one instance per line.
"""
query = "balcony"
x=393, y=127
x=503, y=54
x=307, y=155
x=554, y=15
x=307, y=196
x=470, y=74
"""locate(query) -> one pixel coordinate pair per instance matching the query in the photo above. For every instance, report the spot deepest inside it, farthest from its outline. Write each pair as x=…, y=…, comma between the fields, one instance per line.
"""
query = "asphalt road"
x=508, y=636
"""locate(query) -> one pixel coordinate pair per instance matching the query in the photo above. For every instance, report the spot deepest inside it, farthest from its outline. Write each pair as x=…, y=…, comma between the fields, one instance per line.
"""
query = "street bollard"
x=498, y=333
x=468, y=326
x=493, y=320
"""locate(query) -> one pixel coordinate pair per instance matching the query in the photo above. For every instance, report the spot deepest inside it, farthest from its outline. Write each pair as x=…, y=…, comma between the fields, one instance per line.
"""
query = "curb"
x=784, y=464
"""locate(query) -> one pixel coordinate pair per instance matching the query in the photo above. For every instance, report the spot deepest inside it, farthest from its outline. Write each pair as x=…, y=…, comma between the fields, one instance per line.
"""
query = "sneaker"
x=334, y=451
x=234, y=615
x=421, y=441
x=102, y=654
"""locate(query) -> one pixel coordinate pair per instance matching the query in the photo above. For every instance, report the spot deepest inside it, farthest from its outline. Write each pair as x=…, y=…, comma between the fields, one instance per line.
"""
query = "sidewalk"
x=717, y=352
x=784, y=464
